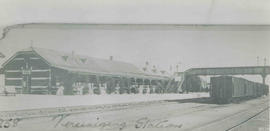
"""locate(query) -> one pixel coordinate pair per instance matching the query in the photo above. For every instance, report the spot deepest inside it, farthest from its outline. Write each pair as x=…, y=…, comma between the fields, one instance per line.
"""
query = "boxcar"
x=224, y=89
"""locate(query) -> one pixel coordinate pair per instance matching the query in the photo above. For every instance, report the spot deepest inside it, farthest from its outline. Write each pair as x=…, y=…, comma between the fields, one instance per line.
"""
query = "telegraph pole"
x=264, y=74
x=179, y=66
x=171, y=69
x=258, y=60
x=31, y=44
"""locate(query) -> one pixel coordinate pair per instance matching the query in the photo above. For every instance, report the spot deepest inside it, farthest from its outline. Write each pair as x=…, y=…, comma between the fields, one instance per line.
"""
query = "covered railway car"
x=224, y=89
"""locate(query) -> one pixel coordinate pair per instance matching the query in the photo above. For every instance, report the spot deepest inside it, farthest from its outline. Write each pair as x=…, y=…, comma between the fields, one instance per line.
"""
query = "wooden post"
x=150, y=87
x=50, y=81
x=128, y=85
x=68, y=80
x=98, y=84
x=98, y=81
x=263, y=79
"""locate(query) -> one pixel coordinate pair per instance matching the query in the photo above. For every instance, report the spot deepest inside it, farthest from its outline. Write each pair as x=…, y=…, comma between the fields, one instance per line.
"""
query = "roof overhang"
x=1, y=70
x=128, y=75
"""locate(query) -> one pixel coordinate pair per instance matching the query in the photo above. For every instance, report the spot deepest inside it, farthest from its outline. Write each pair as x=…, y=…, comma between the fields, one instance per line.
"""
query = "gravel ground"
x=171, y=115
x=258, y=123
x=21, y=102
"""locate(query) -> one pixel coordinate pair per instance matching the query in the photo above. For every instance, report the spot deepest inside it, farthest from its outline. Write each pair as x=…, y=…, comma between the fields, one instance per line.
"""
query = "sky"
x=161, y=46
x=136, y=11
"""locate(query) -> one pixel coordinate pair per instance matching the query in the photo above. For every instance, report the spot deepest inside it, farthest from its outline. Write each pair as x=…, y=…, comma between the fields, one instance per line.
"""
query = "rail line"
x=248, y=119
x=213, y=123
x=47, y=112
x=51, y=112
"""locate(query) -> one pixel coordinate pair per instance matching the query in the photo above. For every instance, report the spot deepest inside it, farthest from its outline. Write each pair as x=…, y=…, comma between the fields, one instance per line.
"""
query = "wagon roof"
x=85, y=64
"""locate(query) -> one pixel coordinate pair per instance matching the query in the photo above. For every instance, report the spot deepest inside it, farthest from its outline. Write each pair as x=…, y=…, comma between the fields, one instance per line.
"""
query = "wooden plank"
x=13, y=75
x=39, y=82
x=32, y=87
x=34, y=58
x=13, y=71
x=41, y=70
x=13, y=82
x=18, y=59
x=13, y=86
x=13, y=78
x=40, y=74
x=39, y=78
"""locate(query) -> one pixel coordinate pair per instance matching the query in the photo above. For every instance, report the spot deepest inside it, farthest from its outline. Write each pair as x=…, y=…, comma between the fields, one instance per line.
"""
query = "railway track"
x=178, y=111
x=14, y=117
x=245, y=121
x=47, y=112
x=182, y=112
x=234, y=120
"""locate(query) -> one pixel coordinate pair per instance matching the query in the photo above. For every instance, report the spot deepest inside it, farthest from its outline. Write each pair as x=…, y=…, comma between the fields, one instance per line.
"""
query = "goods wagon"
x=224, y=89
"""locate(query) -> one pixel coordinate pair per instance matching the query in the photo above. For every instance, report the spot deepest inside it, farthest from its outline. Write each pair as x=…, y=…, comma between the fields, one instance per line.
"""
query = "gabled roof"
x=86, y=64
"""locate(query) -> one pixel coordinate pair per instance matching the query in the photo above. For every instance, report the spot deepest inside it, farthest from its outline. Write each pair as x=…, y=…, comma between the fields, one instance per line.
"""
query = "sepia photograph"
x=126, y=65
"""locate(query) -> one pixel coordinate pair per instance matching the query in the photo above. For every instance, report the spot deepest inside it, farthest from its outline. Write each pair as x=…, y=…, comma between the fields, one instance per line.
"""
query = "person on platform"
x=133, y=89
x=60, y=90
x=117, y=89
x=90, y=87
x=147, y=89
x=141, y=89
x=74, y=88
x=102, y=89
x=81, y=87
x=5, y=90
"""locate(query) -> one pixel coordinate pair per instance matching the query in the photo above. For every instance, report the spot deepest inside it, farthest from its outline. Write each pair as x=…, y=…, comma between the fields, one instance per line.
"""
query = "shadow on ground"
x=203, y=100
x=209, y=100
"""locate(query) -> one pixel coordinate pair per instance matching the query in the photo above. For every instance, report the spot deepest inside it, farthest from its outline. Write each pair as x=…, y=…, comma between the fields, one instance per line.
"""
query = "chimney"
x=111, y=58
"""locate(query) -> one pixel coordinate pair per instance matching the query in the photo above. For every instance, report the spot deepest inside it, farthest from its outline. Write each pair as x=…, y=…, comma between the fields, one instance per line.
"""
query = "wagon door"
x=228, y=88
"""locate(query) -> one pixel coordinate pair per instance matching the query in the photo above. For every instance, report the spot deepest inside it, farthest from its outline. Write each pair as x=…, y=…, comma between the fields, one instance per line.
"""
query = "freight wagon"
x=224, y=89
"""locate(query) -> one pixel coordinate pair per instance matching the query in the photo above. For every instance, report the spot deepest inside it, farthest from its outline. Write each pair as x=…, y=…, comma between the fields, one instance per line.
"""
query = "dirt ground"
x=170, y=115
x=27, y=101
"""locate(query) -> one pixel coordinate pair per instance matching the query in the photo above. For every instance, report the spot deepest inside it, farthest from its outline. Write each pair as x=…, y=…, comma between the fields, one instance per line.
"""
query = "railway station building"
x=41, y=71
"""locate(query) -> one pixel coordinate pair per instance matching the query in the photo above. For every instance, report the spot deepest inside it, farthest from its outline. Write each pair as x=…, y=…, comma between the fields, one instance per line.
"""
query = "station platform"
x=26, y=101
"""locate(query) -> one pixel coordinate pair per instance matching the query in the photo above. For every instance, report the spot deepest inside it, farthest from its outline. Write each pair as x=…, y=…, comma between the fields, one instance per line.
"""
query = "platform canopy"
x=1, y=70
